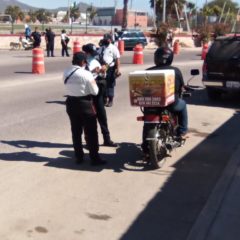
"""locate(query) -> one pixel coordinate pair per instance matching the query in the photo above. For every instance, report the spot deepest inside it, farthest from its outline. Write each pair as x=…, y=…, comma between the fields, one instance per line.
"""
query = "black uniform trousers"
x=101, y=111
x=64, y=49
x=82, y=115
x=50, y=49
x=111, y=82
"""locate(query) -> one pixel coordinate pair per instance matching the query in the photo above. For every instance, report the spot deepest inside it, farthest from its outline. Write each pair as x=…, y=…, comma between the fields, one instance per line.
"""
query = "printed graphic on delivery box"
x=152, y=88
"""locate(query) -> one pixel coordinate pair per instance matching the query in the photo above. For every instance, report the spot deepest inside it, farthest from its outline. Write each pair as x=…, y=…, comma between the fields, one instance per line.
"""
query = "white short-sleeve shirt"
x=110, y=54
x=81, y=83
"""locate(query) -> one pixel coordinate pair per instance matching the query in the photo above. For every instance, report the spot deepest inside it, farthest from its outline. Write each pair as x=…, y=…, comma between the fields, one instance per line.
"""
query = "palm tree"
x=125, y=14
x=43, y=16
x=92, y=12
x=33, y=16
x=170, y=8
x=74, y=12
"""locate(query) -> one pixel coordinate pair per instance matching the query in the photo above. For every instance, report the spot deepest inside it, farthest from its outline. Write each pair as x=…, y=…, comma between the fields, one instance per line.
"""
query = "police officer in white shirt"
x=99, y=73
x=111, y=57
x=79, y=88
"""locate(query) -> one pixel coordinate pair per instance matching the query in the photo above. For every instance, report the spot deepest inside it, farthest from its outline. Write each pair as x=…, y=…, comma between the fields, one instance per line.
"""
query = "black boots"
x=108, y=142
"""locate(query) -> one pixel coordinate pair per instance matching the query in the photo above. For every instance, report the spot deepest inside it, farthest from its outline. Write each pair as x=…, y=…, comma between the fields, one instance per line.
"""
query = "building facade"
x=134, y=18
x=112, y=16
x=104, y=16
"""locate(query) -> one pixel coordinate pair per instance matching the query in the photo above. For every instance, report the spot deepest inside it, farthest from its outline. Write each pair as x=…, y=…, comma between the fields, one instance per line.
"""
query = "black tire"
x=157, y=151
x=214, y=94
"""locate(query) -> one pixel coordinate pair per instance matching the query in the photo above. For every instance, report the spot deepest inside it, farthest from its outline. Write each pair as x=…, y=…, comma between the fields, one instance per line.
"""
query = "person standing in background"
x=64, y=43
x=111, y=59
x=115, y=37
x=27, y=32
x=36, y=37
x=50, y=36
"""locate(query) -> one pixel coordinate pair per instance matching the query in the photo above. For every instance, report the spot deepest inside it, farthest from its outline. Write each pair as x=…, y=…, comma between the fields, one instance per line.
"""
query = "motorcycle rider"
x=163, y=58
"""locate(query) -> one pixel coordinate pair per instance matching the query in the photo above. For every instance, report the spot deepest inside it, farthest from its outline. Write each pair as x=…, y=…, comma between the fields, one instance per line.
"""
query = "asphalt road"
x=44, y=195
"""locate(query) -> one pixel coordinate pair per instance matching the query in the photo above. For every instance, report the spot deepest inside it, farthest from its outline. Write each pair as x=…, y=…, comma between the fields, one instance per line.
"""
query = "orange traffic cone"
x=204, y=51
x=176, y=47
x=38, y=61
x=138, y=54
x=76, y=47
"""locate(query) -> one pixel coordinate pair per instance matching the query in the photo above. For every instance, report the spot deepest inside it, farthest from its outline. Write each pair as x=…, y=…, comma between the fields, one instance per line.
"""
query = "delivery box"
x=152, y=88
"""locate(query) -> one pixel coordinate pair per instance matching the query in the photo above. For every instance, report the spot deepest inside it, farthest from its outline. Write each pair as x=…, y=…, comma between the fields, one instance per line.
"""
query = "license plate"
x=231, y=84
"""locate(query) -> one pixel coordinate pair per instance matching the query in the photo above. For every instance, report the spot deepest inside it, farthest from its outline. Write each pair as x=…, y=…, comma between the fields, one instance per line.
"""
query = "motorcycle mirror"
x=194, y=72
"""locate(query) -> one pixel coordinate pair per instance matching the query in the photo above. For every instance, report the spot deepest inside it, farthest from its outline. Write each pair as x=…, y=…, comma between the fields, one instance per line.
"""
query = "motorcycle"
x=27, y=44
x=161, y=130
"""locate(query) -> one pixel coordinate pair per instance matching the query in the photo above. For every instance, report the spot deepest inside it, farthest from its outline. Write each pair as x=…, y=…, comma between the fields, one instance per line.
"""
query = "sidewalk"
x=220, y=218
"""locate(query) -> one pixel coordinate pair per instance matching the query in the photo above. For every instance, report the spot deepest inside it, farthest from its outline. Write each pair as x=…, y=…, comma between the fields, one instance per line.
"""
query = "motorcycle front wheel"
x=157, y=151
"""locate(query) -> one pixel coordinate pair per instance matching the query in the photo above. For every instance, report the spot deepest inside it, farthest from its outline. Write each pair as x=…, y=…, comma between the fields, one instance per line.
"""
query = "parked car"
x=131, y=38
x=221, y=68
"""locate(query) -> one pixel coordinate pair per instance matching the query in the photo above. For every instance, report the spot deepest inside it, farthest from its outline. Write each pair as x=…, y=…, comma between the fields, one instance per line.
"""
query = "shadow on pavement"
x=31, y=144
x=115, y=161
x=24, y=72
x=228, y=100
x=57, y=102
x=171, y=213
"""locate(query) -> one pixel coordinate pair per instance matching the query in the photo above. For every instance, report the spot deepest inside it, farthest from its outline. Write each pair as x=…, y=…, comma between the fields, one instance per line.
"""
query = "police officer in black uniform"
x=50, y=36
x=99, y=74
x=36, y=37
x=80, y=86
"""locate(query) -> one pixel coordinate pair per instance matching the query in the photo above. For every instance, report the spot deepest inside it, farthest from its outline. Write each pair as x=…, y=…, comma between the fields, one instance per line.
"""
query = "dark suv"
x=131, y=38
x=221, y=69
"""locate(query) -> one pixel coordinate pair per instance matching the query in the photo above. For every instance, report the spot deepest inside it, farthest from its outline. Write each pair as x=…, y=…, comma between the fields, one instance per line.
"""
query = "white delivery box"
x=152, y=88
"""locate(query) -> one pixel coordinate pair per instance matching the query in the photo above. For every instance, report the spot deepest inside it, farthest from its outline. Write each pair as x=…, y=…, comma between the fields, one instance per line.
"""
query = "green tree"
x=170, y=9
x=16, y=13
x=233, y=6
x=92, y=11
x=32, y=15
x=74, y=12
x=43, y=16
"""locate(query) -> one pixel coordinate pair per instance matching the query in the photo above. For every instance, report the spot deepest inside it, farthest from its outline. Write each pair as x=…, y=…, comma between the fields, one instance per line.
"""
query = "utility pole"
x=222, y=12
x=234, y=24
x=186, y=17
x=196, y=21
x=225, y=20
x=68, y=12
x=86, y=21
x=164, y=11
x=176, y=8
x=154, y=14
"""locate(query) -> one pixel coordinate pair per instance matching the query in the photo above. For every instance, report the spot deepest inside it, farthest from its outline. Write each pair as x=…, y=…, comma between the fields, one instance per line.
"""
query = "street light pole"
x=86, y=20
x=68, y=12
x=164, y=11
x=154, y=14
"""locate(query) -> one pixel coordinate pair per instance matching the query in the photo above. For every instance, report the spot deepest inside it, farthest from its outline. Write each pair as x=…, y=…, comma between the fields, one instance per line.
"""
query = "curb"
x=205, y=221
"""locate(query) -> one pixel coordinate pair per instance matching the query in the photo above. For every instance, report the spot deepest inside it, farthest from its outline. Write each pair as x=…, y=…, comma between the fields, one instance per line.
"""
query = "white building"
x=61, y=15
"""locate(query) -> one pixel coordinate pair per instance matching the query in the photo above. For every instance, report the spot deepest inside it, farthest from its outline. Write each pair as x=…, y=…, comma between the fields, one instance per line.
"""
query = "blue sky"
x=136, y=4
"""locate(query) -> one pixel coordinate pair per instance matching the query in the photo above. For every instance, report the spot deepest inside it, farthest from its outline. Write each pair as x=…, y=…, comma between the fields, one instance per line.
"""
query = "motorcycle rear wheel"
x=157, y=152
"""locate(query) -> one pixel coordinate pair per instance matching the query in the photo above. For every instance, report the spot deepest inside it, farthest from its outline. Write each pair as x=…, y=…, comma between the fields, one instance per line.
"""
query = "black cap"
x=78, y=57
x=90, y=48
x=107, y=36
